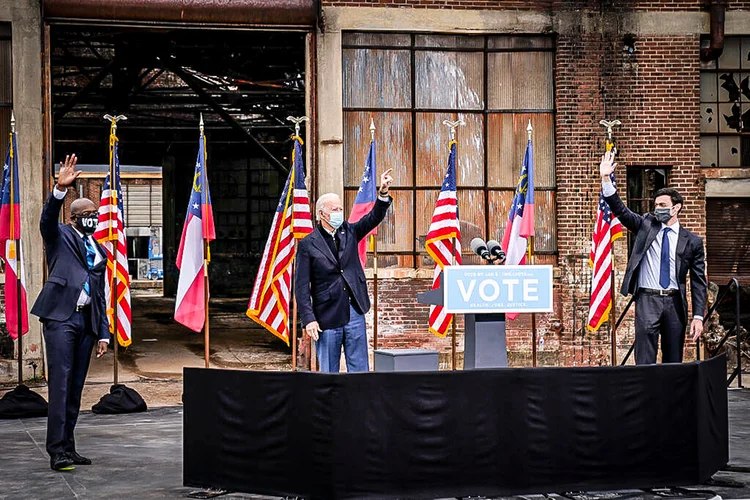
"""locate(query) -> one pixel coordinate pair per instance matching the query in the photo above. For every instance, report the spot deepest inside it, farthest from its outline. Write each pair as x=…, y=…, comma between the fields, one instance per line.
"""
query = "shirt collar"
x=78, y=232
x=332, y=234
x=674, y=227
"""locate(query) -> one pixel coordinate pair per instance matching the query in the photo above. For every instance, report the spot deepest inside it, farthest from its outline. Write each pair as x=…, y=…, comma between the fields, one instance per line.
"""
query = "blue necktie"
x=664, y=267
x=90, y=258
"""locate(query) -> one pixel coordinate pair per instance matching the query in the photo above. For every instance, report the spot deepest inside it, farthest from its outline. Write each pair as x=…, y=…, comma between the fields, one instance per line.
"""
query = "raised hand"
x=385, y=181
x=607, y=166
x=68, y=173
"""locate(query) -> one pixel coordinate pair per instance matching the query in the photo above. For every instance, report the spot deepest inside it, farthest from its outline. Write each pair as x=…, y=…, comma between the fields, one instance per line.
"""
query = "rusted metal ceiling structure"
x=259, y=13
x=245, y=82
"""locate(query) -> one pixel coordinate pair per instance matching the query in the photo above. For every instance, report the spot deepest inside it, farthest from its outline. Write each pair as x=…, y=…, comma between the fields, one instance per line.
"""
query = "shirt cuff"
x=104, y=340
x=384, y=198
x=698, y=317
x=58, y=193
x=608, y=189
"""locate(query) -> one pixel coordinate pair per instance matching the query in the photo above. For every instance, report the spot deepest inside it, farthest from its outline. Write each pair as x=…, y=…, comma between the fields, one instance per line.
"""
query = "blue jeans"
x=353, y=336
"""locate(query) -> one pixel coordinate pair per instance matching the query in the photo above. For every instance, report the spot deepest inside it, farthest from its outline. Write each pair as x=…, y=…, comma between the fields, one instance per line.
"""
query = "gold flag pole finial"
x=114, y=120
x=372, y=129
x=610, y=124
x=297, y=122
x=201, y=124
x=12, y=123
x=529, y=129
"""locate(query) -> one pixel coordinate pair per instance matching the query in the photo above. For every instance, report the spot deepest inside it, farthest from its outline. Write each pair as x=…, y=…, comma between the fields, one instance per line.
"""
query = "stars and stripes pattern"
x=271, y=296
x=607, y=229
x=11, y=249
x=110, y=233
x=444, y=231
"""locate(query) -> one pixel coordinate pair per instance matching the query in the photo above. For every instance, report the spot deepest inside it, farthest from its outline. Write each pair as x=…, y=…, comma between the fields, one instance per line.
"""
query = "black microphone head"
x=477, y=245
x=494, y=247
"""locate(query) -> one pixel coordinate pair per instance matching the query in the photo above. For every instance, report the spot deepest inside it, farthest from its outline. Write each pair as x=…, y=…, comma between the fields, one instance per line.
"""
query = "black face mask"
x=87, y=225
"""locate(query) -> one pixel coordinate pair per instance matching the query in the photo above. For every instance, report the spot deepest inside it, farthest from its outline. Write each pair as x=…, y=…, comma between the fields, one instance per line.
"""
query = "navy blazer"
x=68, y=271
x=322, y=282
x=688, y=257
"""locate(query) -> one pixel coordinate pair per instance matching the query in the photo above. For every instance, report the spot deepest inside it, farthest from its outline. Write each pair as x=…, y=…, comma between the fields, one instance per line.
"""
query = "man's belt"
x=662, y=293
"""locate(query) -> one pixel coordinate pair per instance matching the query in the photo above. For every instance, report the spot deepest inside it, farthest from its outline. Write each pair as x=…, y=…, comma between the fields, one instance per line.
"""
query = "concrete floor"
x=139, y=457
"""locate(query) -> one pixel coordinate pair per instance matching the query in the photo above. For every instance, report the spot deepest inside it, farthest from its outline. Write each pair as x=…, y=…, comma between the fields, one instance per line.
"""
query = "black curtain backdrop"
x=439, y=434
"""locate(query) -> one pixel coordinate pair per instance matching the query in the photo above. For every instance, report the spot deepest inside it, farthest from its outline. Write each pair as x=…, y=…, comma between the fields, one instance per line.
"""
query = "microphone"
x=479, y=247
x=496, y=250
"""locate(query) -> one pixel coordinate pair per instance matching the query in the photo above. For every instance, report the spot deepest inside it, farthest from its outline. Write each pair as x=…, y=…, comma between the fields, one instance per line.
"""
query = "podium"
x=484, y=294
x=484, y=335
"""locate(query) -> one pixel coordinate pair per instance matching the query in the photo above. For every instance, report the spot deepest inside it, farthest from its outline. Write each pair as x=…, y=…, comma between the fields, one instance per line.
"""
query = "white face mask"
x=335, y=219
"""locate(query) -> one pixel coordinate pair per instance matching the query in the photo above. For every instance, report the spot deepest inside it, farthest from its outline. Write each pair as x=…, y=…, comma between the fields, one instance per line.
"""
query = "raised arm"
x=51, y=212
x=370, y=221
x=627, y=217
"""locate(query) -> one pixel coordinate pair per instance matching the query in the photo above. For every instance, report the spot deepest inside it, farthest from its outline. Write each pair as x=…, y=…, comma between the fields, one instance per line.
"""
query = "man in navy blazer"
x=330, y=284
x=72, y=309
x=656, y=273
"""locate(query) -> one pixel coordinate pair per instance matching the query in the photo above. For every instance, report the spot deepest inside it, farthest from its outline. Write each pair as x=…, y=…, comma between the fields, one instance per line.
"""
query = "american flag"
x=606, y=230
x=269, y=302
x=443, y=229
x=110, y=232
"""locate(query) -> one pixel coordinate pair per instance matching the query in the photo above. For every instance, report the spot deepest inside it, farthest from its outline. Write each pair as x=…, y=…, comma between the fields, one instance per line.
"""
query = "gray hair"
x=324, y=202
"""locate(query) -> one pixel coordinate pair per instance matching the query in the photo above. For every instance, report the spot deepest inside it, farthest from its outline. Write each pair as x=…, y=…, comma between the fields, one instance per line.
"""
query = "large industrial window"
x=643, y=183
x=6, y=87
x=725, y=107
x=409, y=84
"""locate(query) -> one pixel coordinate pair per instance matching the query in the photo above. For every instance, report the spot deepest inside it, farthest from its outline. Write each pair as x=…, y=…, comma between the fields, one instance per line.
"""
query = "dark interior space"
x=245, y=84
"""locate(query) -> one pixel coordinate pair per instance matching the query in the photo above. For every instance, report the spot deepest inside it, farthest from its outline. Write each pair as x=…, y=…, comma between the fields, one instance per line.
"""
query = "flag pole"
x=114, y=239
x=206, y=258
x=297, y=122
x=609, y=146
x=532, y=258
x=17, y=245
x=374, y=249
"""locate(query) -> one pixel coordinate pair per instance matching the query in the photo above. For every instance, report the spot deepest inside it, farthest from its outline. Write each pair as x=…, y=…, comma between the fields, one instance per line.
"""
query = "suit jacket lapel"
x=652, y=232
x=76, y=242
x=682, y=241
x=321, y=244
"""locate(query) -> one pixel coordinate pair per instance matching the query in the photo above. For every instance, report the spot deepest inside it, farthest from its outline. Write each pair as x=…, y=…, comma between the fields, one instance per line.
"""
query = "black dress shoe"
x=78, y=459
x=61, y=462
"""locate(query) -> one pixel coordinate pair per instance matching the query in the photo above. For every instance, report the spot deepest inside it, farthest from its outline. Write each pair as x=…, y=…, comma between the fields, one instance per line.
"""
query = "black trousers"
x=69, y=346
x=658, y=316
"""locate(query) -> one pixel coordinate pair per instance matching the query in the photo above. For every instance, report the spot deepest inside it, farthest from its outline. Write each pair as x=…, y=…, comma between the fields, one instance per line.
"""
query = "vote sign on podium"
x=497, y=289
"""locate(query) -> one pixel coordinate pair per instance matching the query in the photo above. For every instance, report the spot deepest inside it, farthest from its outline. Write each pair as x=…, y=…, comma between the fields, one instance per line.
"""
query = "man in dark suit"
x=657, y=270
x=72, y=309
x=330, y=284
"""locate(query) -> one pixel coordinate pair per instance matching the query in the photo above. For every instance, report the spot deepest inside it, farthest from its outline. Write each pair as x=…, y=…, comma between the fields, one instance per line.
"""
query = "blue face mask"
x=336, y=219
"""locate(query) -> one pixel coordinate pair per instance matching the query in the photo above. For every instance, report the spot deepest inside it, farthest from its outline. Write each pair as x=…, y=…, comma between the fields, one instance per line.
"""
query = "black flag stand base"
x=22, y=402
x=120, y=399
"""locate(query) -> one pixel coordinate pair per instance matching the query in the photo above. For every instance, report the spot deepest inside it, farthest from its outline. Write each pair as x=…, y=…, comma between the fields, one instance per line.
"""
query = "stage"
x=138, y=456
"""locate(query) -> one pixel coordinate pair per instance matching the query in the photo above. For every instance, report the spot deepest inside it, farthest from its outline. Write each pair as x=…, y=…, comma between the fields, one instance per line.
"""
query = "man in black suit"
x=656, y=274
x=330, y=284
x=72, y=309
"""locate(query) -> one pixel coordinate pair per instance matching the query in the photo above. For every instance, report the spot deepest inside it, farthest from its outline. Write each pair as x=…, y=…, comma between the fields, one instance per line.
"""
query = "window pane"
x=432, y=149
x=506, y=146
x=471, y=211
x=729, y=151
x=709, y=123
x=6, y=80
x=730, y=56
x=449, y=80
x=520, y=42
x=729, y=87
x=4, y=131
x=709, y=90
x=393, y=146
x=520, y=80
x=396, y=232
x=376, y=78
x=377, y=39
x=745, y=53
x=709, y=152
x=545, y=217
x=730, y=117
x=449, y=41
